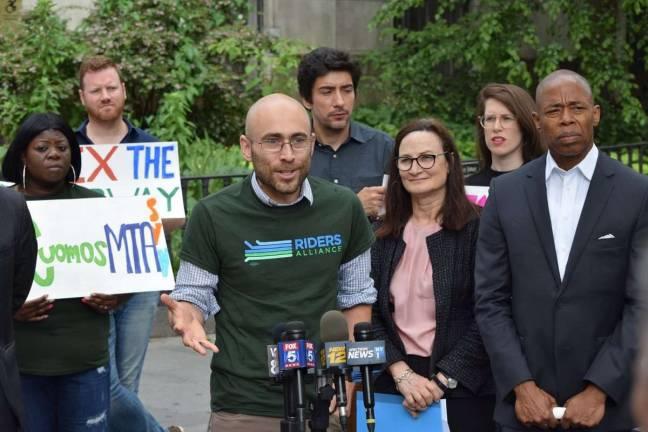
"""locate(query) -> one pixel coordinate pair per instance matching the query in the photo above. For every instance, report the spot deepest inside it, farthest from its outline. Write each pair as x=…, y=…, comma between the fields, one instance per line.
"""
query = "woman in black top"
x=61, y=345
x=422, y=265
x=507, y=136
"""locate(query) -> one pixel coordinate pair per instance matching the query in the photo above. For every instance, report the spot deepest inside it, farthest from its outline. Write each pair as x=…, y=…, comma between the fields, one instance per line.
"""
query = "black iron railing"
x=196, y=187
x=633, y=155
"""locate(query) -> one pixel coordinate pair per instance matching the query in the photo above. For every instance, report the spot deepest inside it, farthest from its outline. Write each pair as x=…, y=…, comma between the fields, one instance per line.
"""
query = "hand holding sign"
x=34, y=310
x=187, y=321
x=104, y=303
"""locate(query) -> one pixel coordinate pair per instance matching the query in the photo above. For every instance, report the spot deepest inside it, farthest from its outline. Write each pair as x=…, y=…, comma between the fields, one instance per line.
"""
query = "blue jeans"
x=76, y=402
x=130, y=328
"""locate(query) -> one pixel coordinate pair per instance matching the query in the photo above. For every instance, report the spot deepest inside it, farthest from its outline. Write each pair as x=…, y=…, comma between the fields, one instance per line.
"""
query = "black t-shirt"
x=483, y=177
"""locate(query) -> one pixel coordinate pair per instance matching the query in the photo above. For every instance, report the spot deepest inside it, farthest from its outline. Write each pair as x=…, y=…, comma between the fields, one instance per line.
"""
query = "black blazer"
x=17, y=264
x=458, y=350
x=562, y=334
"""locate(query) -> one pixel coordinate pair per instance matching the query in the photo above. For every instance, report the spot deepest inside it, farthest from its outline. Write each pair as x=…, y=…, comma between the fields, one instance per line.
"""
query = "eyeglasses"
x=274, y=144
x=488, y=122
x=425, y=161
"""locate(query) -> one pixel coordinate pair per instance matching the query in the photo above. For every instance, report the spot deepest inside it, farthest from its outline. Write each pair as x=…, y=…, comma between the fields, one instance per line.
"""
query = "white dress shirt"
x=566, y=192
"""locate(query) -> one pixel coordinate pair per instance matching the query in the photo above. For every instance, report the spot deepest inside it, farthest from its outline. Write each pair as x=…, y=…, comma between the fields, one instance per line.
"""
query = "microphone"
x=273, y=354
x=334, y=333
x=295, y=356
x=366, y=352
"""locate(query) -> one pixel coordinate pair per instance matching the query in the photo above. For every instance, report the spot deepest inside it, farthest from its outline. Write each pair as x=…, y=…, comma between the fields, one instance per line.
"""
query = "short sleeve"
x=199, y=242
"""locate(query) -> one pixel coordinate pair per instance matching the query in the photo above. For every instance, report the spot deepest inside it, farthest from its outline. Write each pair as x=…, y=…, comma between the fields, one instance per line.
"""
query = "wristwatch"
x=452, y=383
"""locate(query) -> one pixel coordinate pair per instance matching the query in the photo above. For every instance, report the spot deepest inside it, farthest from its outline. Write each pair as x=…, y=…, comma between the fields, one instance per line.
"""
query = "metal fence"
x=633, y=155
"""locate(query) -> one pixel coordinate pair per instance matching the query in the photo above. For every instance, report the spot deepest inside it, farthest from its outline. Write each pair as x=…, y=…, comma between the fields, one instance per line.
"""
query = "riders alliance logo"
x=303, y=246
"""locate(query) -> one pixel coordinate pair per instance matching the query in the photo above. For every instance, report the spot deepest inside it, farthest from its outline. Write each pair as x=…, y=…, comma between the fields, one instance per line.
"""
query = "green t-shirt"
x=274, y=264
x=74, y=337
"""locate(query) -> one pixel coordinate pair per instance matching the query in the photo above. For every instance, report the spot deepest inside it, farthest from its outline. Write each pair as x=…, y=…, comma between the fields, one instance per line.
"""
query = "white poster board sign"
x=98, y=245
x=138, y=169
x=477, y=195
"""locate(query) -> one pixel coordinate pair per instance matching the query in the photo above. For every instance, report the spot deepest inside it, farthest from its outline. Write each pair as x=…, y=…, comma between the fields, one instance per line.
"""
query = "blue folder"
x=391, y=416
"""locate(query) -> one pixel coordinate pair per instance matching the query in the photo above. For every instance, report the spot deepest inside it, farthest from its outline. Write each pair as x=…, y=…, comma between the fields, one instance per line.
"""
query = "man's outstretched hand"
x=186, y=320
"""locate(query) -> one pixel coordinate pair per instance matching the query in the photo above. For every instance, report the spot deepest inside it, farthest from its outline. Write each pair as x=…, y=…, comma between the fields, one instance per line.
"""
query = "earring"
x=74, y=177
x=23, y=177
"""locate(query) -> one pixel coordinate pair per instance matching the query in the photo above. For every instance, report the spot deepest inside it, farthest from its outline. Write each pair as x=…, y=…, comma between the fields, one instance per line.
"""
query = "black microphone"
x=365, y=352
x=334, y=333
x=294, y=359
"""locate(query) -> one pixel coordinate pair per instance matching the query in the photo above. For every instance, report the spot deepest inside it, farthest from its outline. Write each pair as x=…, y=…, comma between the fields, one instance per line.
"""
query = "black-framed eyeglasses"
x=274, y=144
x=425, y=161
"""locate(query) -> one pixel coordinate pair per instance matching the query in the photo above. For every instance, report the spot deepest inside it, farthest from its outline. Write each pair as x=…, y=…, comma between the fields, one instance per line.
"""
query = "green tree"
x=439, y=69
x=38, y=61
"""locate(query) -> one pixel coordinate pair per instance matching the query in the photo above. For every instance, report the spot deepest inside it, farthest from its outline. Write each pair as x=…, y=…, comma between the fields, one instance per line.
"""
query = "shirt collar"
x=356, y=135
x=586, y=166
x=83, y=130
x=306, y=192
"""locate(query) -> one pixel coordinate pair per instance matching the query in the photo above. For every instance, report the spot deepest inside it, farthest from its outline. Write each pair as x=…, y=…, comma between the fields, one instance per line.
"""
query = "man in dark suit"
x=556, y=286
x=17, y=264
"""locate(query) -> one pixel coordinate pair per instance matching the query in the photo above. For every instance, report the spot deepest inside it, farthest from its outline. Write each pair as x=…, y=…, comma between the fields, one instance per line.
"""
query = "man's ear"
x=307, y=104
x=81, y=98
x=246, y=148
x=596, y=112
x=536, y=120
x=124, y=90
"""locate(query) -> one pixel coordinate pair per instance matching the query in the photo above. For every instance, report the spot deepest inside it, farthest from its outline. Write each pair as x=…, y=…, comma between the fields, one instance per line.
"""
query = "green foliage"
x=440, y=69
x=38, y=59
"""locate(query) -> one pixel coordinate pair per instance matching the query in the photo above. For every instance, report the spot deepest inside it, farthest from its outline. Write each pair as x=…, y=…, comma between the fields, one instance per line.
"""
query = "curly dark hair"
x=321, y=61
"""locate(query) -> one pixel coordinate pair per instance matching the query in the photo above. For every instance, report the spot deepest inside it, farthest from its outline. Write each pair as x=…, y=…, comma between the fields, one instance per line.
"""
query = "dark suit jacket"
x=566, y=334
x=17, y=263
x=458, y=350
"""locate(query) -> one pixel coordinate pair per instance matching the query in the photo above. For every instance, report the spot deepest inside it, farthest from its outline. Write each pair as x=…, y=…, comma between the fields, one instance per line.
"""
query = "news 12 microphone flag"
x=391, y=416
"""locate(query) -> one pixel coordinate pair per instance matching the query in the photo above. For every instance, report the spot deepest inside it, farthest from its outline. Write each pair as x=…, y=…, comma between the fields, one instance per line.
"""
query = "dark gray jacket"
x=17, y=264
x=564, y=333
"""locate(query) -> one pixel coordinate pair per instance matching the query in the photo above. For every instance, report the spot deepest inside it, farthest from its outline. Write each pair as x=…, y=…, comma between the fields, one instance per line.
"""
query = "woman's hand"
x=104, y=303
x=418, y=391
x=34, y=310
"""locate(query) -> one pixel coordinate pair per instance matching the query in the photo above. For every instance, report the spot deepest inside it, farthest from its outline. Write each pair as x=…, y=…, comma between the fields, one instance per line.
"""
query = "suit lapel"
x=536, y=195
x=597, y=196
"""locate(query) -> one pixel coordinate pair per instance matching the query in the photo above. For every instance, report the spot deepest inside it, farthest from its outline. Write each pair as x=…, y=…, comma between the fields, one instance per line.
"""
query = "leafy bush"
x=439, y=69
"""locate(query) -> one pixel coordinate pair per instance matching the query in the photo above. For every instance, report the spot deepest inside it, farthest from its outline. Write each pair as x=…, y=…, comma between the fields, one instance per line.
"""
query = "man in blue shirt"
x=348, y=153
x=103, y=94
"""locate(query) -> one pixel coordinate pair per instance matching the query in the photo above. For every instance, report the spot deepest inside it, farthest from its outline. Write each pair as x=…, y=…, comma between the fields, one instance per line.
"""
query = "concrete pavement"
x=175, y=384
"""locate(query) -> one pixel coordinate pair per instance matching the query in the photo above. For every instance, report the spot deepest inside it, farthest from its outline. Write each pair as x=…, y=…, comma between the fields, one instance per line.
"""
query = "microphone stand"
x=319, y=421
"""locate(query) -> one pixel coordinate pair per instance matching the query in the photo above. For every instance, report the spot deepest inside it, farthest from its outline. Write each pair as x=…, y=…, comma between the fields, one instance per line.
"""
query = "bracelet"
x=403, y=376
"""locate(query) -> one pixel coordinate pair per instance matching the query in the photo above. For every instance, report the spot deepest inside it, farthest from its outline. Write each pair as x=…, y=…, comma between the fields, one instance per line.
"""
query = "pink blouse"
x=412, y=292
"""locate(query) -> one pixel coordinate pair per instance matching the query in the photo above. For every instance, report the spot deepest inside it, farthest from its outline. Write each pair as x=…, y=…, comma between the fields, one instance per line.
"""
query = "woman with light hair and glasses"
x=507, y=136
x=422, y=265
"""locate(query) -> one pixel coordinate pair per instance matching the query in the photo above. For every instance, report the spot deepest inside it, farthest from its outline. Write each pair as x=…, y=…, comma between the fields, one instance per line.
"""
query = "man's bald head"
x=562, y=75
x=276, y=102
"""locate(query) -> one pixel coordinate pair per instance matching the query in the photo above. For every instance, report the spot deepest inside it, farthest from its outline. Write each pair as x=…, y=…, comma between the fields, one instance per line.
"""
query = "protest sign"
x=139, y=169
x=98, y=245
x=477, y=195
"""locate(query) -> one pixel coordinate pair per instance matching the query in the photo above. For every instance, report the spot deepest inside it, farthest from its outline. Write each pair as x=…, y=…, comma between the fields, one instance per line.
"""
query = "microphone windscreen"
x=363, y=331
x=277, y=331
x=334, y=327
x=294, y=330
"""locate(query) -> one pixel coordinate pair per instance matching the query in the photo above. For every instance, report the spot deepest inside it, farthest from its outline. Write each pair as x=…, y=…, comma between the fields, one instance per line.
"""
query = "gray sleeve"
x=197, y=286
x=355, y=285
